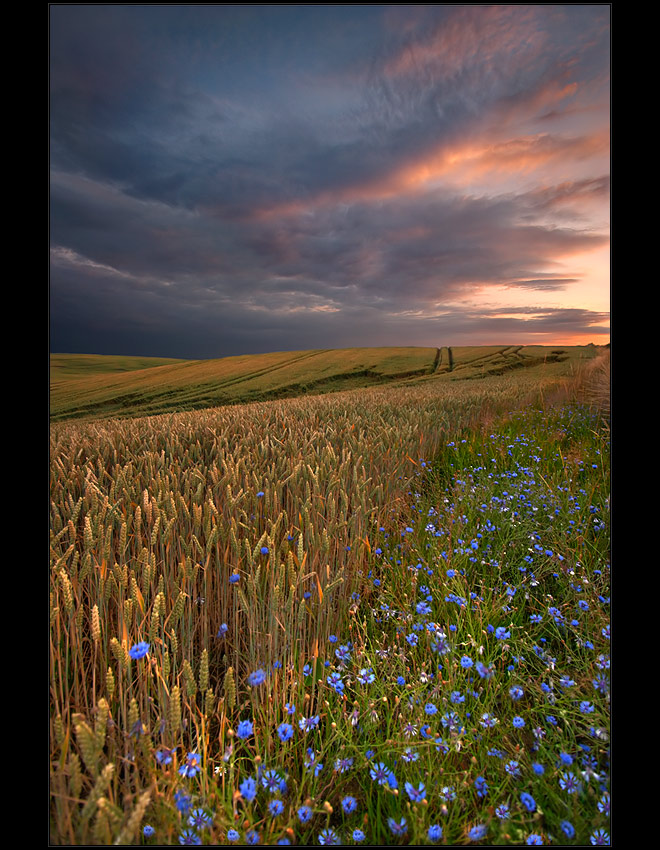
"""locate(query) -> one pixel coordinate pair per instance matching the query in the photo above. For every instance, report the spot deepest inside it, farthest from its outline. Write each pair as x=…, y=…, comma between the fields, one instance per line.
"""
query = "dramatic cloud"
x=235, y=179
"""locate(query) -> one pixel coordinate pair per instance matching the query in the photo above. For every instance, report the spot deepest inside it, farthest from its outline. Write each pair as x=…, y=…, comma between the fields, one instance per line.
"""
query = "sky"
x=243, y=179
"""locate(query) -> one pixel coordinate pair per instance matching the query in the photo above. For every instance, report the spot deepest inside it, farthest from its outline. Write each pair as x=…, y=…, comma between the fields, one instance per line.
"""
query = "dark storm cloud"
x=396, y=255
x=229, y=179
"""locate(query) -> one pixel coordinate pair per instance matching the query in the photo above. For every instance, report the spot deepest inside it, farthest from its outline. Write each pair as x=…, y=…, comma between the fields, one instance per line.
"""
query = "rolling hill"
x=99, y=386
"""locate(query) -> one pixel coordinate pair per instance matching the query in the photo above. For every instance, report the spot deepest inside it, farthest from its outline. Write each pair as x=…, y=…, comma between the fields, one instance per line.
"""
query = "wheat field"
x=227, y=541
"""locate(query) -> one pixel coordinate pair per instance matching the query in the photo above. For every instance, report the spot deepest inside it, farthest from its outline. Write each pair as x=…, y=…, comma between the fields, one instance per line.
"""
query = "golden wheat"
x=257, y=519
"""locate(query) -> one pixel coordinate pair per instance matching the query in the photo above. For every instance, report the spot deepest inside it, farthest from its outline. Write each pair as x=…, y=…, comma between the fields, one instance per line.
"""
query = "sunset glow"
x=243, y=179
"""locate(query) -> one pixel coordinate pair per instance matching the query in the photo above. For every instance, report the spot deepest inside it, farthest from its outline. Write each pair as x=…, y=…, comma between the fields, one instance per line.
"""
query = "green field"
x=99, y=387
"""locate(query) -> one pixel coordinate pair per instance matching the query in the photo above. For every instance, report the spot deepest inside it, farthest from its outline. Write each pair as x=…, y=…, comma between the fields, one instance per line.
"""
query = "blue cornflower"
x=538, y=768
x=451, y=721
x=335, y=682
x=199, y=819
x=349, y=804
x=248, y=789
x=599, y=838
x=518, y=722
x=391, y=780
x=423, y=608
x=502, y=811
x=245, y=729
x=189, y=836
x=409, y=755
x=569, y=783
x=304, y=814
x=534, y=838
x=466, y=662
x=440, y=644
x=329, y=837
x=233, y=834
x=397, y=828
x=312, y=762
x=365, y=677
x=528, y=801
x=138, y=729
x=260, y=494
x=501, y=633
x=586, y=707
x=481, y=786
x=307, y=723
x=271, y=780
x=252, y=837
x=285, y=731
x=478, y=832
x=264, y=550
x=139, y=650
x=148, y=830
x=486, y=672
x=182, y=801
x=257, y=678
x=512, y=768
x=434, y=833
x=191, y=766
x=429, y=708
x=415, y=794
x=604, y=804
x=567, y=828
x=358, y=835
x=379, y=772
x=447, y=793
x=234, y=578
x=516, y=693
x=165, y=756
x=276, y=807
x=222, y=631
x=601, y=684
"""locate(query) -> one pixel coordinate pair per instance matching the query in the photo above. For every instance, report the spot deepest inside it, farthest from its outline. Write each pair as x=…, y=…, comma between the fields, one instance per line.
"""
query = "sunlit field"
x=378, y=616
x=100, y=387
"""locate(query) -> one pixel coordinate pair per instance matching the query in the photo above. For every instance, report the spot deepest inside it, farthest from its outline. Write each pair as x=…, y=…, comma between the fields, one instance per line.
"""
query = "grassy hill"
x=98, y=387
x=64, y=367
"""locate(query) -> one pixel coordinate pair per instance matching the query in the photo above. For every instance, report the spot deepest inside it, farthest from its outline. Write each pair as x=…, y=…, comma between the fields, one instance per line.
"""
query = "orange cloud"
x=470, y=37
x=474, y=161
x=462, y=165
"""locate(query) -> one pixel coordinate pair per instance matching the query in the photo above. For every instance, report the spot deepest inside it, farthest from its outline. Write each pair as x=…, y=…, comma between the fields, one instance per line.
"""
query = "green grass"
x=91, y=387
x=64, y=367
